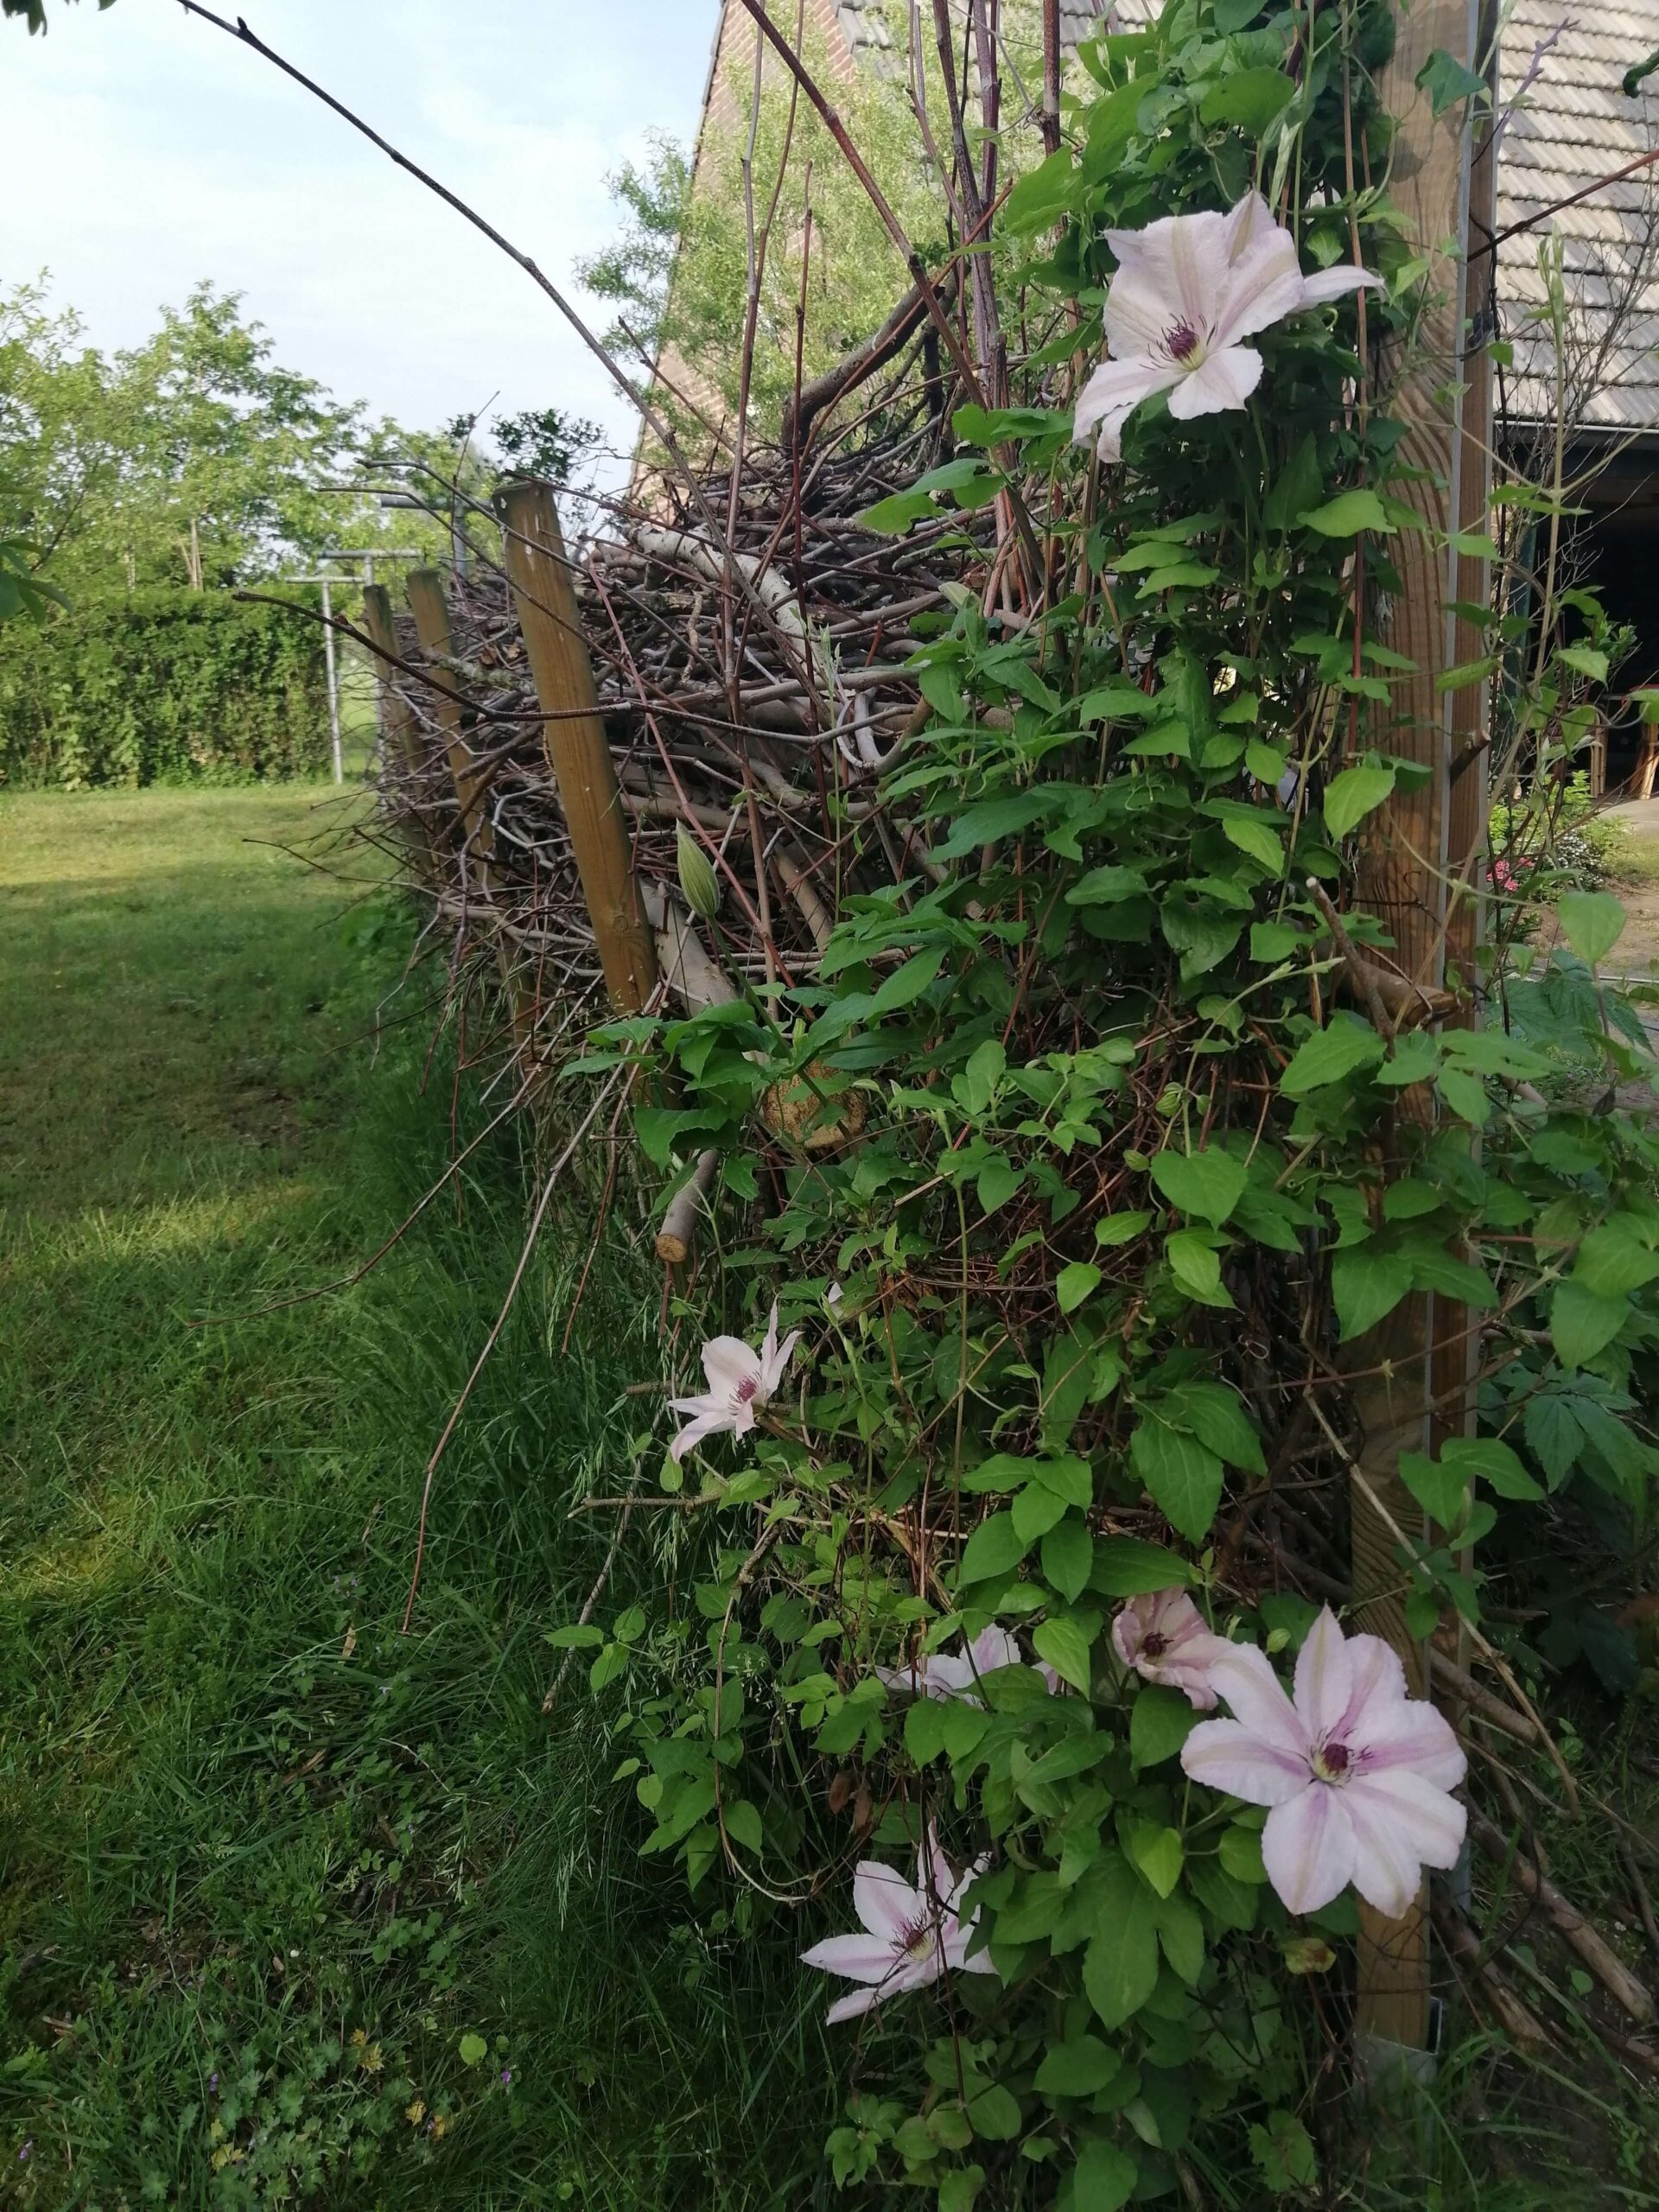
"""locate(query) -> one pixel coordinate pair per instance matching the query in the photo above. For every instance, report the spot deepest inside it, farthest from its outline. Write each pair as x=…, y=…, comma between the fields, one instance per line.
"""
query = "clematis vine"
x=1357, y=1774
x=955, y=1674
x=909, y=1936
x=739, y=1380
x=1188, y=287
x=1163, y=1636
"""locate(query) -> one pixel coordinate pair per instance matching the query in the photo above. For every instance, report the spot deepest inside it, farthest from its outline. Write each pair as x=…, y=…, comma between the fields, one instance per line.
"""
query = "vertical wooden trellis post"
x=577, y=750
x=1412, y=849
x=430, y=609
x=397, y=731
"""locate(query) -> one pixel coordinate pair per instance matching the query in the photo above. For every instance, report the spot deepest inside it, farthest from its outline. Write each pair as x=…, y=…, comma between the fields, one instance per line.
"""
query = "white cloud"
x=160, y=153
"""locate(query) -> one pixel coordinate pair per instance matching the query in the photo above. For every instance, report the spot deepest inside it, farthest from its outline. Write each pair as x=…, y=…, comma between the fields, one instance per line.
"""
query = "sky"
x=147, y=150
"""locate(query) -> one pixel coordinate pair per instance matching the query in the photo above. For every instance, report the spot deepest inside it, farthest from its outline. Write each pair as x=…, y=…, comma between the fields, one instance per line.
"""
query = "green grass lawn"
x=296, y=1910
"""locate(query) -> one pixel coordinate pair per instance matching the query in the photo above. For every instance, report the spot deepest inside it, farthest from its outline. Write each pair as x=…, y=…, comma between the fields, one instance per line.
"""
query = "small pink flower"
x=1358, y=1775
x=740, y=1379
x=910, y=1936
x=955, y=1674
x=1163, y=1635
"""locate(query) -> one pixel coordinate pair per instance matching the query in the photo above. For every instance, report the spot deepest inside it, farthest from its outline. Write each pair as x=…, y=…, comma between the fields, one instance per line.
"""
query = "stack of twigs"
x=748, y=634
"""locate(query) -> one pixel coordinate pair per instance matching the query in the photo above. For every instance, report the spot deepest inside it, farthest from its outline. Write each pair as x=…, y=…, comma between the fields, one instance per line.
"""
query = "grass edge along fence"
x=1138, y=1158
x=162, y=685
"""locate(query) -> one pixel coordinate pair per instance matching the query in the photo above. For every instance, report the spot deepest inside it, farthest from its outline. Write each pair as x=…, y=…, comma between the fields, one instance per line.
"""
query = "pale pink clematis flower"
x=955, y=1674
x=1163, y=1636
x=911, y=1935
x=1358, y=1774
x=740, y=1379
x=1187, y=288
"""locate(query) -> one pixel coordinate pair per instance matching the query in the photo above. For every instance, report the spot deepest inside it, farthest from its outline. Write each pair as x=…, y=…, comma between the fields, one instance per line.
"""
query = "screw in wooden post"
x=577, y=749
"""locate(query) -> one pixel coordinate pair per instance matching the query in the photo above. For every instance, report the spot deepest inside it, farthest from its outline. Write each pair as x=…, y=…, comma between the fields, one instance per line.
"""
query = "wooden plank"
x=429, y=605
x=577, y=749
x=399, y=734
x=1404, y=877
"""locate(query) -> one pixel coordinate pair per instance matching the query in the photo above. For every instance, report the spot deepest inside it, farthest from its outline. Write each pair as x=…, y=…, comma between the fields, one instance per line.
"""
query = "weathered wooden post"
x=396, y=722
x=577, y=749
x=1416, y=844
x=430, y=609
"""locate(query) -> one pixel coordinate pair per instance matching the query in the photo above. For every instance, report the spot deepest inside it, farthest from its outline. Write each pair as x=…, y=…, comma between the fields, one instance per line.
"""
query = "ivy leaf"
x=1207, y=1185
x=1103, y=2178
x=1330, y=1054
x=1367, y=1284
x=1347, y=514
x=1591, y=922
x=1160, y=1720
x=1065, y=1643
x=994, y=1548
x=1581, y=1325
x=1351, y=796
x=1182, y=1475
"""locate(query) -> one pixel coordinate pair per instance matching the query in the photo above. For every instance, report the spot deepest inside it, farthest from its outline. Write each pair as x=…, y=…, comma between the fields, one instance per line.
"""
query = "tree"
x=33, y=11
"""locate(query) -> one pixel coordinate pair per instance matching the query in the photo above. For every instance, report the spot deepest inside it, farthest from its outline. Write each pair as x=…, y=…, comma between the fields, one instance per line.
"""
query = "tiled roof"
x=1573, y=127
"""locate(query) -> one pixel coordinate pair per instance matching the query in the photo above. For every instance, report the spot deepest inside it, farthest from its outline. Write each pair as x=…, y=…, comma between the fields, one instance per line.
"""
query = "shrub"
x=163, y=686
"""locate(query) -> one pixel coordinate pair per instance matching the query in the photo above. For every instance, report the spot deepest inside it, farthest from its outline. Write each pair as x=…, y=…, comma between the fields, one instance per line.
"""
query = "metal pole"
x=334, y=684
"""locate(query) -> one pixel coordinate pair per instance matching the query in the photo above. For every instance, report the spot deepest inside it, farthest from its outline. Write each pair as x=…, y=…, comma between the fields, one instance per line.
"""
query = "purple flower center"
x=1155, y=1645
x=1181, y=343
x=917, y=1938
x=746, y=1390
x=1333, y=1762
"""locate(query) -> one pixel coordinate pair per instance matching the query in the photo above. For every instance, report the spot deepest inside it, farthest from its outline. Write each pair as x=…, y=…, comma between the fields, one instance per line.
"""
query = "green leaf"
x=1157, y=1851
x=1240, y=1853
x=1035, y=1511
x=1212, y=1412
x=1250, y=98
x=1252, y=831
x=1120, y=1228
x=1075, y=1283
x=908, y=983
x=1496, y=1464
x=1196, y=1266
x=1442, y=1491
x=994, y=2113
x=1207, y=1185
x=924, y=1728
x=1330, y=1054
x=1065, y=1644
x=1447, y=81
x=1077, y=2067
x=1347, y=514
x=1351, y=796
x=1183, y=1476
x=959, y=2187
x=473, y=2050
x=1160, y=1720
x=1591, y=922
x=743, y=1825
x=1612, y=1264
x=994, y=1548
x=1127, y=1566
x=998, y=1181
x=1585, y=660
x=1119, y=1968
x=1553, y=1436
x=1180, y=1931
x=1367, y=1284
x=1103, y=2178
x=1068, y=1554
x=1581, y=1325
x=1103, y=887
x=995, y=819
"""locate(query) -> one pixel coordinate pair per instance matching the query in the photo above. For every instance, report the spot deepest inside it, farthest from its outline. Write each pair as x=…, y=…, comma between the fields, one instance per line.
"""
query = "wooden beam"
x=1404, y=866
x=399, y=734
x=429, y=606
x=577, y=749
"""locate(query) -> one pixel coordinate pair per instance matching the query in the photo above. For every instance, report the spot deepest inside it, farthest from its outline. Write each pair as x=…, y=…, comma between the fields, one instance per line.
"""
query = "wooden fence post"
x=574, y=737
x=1403, y=880
x=396, y=722
x=430, y=609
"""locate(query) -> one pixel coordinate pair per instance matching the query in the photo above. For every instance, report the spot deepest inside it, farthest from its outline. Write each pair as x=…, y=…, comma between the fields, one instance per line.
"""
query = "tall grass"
x=296, y=1909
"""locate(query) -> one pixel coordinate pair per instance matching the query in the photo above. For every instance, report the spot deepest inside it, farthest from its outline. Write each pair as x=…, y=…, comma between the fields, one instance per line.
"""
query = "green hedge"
x=161, y=686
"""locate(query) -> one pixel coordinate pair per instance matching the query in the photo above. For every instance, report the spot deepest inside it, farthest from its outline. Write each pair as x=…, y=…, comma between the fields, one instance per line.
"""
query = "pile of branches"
x=749, y=634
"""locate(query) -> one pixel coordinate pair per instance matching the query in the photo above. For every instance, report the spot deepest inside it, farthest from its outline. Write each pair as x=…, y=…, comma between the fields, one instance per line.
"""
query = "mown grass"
x=293, y=1909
